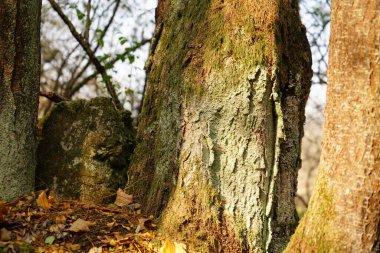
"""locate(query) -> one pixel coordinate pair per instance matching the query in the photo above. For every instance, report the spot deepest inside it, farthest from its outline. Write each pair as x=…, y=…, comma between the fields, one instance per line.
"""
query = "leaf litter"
x=45, y=224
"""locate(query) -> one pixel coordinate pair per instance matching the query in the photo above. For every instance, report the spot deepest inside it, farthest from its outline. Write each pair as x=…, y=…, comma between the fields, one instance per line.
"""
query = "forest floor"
x=41, y=223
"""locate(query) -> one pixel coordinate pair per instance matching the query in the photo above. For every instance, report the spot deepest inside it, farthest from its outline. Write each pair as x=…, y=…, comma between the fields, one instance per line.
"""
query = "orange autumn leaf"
x=42, y=201
x=123, y=199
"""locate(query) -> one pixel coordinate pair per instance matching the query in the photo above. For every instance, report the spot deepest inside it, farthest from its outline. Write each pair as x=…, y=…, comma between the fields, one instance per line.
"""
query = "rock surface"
x=85, y=149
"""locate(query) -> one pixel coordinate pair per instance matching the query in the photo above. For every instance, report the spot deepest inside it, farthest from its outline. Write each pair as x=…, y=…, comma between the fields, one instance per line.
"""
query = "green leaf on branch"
x=106, y=78
x=123, y=40
x=101, y=42
x=99, y=36
x=104, y=57
x=120, y=57
x=108, y=65
x=131, y=58
x=80, y=14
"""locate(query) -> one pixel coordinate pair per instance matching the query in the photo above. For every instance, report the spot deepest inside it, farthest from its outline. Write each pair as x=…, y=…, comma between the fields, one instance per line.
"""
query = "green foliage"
x=80, y=14
x=106, y=78
x=131, y=58
x=123, y=40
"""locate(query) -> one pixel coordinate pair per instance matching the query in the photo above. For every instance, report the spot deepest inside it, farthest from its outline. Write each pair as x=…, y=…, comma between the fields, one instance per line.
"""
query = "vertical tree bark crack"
x=279, y=134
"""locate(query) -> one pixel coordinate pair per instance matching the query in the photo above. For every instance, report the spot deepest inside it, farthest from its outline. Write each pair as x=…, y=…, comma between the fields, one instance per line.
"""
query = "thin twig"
x=53, y=97
x=87, y=48
x=303, y=201
x=80, y=84
x=86, y=33
x=103, y=34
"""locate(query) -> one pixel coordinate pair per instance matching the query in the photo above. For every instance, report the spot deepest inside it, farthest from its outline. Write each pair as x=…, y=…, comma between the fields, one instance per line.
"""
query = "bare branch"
x=75, y=79
x=86, y=33
x=112, y=62
x=87, y=48
x=53, y=97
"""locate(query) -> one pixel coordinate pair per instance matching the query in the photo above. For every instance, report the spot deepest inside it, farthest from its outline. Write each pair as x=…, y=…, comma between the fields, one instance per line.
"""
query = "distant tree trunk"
x=221, y=124
x=19, y=86
x=344, y=213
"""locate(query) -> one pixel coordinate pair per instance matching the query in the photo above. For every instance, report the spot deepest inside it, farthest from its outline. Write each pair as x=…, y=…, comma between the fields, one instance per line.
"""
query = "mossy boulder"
x=84, y=150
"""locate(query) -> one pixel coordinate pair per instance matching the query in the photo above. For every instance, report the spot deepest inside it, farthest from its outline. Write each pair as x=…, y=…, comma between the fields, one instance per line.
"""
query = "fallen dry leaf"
x=81, y=225
x=112, y=224
x=143, y=223
x=52, y=197
x=96, y=250
x=60, y=218
x=123, y=199
x=73, y=247
x=3, y=212
x=5, y=235
x=42, y=201
x=56, y=228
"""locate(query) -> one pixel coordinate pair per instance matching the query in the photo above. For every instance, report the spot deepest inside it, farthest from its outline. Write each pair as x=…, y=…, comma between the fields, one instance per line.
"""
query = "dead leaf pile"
x=45, y=224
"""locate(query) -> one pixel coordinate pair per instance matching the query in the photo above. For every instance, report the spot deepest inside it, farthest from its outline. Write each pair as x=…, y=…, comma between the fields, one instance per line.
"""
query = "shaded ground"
x=44, y=224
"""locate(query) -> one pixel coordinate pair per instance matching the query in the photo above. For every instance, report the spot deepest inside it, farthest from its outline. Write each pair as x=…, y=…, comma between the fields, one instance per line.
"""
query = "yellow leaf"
x=43, y=201
x=112, y=243
x=81, y=225
x=170, y=247
x=123, y=199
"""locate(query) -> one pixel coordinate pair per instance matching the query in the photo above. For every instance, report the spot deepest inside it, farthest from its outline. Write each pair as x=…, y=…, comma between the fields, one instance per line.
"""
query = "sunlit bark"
x=343, y=215
x=221, y=125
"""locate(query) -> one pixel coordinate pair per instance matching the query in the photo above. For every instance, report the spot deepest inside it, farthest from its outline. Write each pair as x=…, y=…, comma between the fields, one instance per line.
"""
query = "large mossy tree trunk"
x=222, y=121
x=19, y=87
x=344, y=213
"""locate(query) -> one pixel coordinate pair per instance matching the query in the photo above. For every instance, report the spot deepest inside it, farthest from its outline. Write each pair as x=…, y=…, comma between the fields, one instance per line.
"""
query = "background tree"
x=344, y=211
x=315, y=16
x=222, y=122
x=19, y=82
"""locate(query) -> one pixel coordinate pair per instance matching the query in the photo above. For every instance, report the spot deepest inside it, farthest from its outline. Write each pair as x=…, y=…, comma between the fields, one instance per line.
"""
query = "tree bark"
x=343, y=215
x=222, y=121
x=19, y=88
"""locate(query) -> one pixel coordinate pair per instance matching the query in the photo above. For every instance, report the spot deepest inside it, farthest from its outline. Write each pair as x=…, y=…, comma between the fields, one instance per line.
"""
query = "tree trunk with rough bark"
x=344, y=213
x=19, y=87
x=222, y=121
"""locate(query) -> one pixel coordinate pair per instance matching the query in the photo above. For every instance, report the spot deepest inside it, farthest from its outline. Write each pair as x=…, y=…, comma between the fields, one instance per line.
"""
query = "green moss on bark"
x=216, y=96
x=316, y=223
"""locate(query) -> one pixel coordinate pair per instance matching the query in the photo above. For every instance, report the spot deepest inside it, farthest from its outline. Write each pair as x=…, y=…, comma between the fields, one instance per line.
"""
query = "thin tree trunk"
x=19, y=87
x=222, y=121
x=344, y=215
